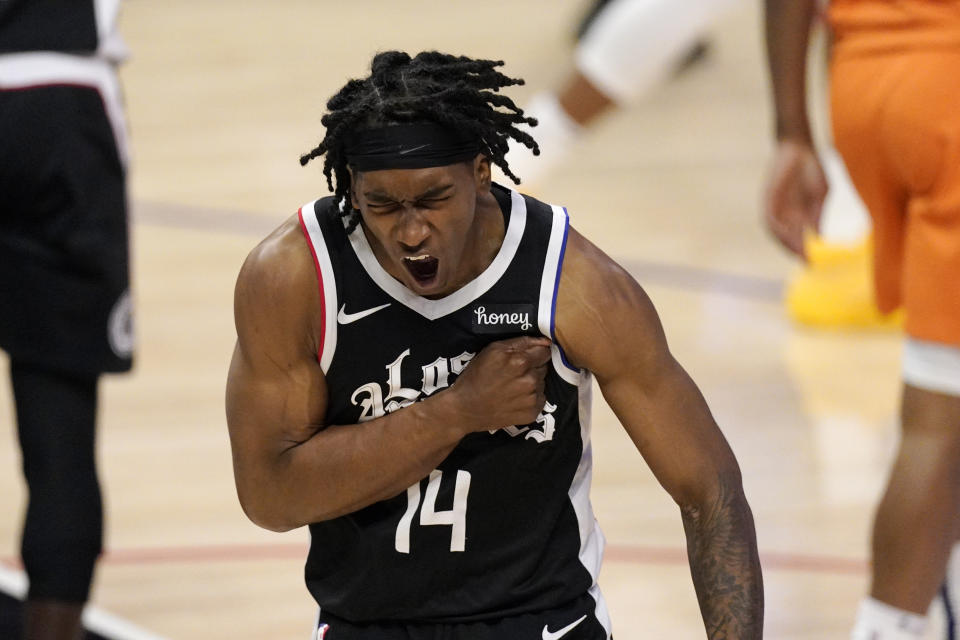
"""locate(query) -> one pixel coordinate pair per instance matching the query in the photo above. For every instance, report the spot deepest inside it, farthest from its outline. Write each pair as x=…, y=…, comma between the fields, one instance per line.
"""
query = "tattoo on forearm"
x=722, y=548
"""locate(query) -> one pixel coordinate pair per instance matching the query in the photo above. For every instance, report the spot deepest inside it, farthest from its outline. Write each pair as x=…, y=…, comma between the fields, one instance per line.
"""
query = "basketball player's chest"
x=394, y=358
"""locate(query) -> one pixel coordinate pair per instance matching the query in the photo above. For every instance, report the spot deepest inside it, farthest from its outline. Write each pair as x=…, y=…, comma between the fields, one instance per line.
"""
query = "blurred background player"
x=625, y=49
x=629, y=48
x=64, y=298
x=895, y=102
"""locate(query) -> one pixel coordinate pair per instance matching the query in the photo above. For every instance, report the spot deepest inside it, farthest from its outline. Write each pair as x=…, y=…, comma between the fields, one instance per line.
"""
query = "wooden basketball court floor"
x=223, y=97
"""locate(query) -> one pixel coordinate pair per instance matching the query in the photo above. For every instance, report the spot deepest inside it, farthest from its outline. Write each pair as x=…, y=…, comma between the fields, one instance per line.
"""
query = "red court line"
x=11, y=563
x=209, y=553
x=615, y=553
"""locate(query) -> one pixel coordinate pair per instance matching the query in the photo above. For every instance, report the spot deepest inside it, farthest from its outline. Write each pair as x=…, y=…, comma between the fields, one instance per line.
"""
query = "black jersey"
x=504, y=524
x=48, y=25
x=66, y=26
x=73, y=43
x=63, y=224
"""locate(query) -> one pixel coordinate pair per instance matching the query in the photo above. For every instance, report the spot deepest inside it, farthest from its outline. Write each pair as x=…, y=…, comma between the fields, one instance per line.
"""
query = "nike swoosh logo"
x=406, y=151
x=346, y=318
x=553, y=635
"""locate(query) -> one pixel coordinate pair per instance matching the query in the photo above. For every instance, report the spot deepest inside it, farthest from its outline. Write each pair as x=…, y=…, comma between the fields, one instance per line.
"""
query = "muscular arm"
x=606, y=323
x=788, y=25
x=290, y=468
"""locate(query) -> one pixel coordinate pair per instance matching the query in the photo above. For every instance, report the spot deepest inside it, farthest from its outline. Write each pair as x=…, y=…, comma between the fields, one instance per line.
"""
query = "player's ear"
x=481, y=173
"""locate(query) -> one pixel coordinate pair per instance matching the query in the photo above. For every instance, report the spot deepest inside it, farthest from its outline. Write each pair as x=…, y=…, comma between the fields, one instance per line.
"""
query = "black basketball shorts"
x=64, y=273
x=576, y=620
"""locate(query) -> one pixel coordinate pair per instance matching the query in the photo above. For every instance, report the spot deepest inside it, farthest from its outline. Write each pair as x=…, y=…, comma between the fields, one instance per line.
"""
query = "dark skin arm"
x=290, y=467
x=796, y=186
x=787, y=30
x=607, y=324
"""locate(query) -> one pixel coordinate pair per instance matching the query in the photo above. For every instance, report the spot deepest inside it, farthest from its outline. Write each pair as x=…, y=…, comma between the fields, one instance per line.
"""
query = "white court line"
x=15, y=584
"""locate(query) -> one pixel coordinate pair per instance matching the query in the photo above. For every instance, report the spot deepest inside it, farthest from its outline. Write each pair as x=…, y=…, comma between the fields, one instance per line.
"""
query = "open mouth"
x=422, y=268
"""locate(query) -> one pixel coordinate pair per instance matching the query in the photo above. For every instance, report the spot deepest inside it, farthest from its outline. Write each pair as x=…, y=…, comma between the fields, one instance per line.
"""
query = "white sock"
x=845, y=219
x=953, y=569
x=952, y=581
x=634, y=44
x=879, y=621
x=556, y=132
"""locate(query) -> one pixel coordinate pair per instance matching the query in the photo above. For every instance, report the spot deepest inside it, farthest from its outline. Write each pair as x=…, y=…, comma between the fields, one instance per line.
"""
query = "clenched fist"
x=503, y=385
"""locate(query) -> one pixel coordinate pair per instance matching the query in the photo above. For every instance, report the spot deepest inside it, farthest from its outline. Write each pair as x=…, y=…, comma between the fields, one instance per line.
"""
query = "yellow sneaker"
x=835, y=289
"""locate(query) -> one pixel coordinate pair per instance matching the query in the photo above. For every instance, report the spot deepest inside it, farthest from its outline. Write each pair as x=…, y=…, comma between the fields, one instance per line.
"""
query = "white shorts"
x=932, y=366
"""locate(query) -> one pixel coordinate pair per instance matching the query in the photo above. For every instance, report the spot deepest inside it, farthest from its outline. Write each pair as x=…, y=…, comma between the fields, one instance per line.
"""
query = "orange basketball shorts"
x=896, y=121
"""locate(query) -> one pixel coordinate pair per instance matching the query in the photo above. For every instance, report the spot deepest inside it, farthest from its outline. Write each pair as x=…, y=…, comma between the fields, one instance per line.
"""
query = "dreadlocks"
x=454, y=91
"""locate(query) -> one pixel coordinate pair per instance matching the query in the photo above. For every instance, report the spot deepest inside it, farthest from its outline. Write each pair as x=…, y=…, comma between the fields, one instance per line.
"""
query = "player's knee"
x=52, y=529
x=59, y=564
x=62, y=538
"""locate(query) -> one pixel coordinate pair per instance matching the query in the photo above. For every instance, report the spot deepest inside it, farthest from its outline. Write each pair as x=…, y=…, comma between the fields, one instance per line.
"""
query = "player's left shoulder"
x=601, y=309
x=590, y=279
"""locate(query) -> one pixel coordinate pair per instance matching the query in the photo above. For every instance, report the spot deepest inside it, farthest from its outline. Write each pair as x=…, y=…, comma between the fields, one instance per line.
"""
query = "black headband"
x=409, y=146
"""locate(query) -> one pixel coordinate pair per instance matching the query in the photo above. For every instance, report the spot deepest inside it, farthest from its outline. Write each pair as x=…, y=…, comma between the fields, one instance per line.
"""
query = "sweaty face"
x=423, y=224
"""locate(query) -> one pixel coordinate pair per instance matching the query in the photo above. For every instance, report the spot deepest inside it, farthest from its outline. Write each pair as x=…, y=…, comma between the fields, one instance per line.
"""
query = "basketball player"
x=64, y=301
x=895, y=102
x=412, y=380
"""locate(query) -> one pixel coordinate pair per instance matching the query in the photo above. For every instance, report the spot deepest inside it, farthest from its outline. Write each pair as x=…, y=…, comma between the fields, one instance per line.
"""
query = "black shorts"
x=64, y=280
x=574, y=621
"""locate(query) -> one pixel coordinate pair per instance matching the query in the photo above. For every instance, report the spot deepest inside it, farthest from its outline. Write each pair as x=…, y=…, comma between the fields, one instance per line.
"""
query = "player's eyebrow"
x=380, y=195
x=433, y=192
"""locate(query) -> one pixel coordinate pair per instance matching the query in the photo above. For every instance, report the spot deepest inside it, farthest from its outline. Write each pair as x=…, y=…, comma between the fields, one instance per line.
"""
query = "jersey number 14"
x=455, y=518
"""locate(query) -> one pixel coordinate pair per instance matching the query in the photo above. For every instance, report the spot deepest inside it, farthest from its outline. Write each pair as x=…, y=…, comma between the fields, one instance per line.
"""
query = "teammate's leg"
x=919, y=516
x=56, y=415
x=629, y=47
x=633, y=45
x=917, y=520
